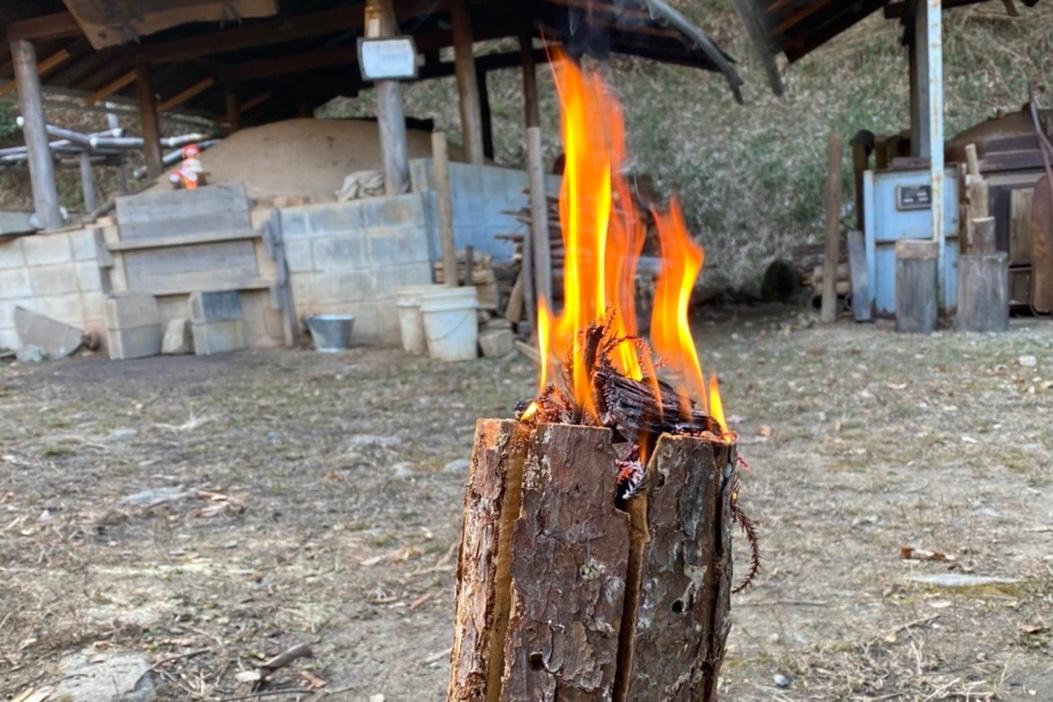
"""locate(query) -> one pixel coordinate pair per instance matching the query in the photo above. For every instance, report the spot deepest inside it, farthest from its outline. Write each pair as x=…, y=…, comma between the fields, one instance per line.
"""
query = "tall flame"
x=603, y=237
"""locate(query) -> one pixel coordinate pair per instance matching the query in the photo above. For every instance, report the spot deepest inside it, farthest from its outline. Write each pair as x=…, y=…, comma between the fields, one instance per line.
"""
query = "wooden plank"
x=862, y=308
x=832, y=203
x=571, y=562
x=254, y=102
x=60, y=25
x=210, y=210
x=441, y=165
x=467, y=84
x=182, y=240
x=186, y=95
x=30, y=104
x=1020, y=201
x=983, y=292
x=110, y=88
x=916, y=296
x=224, y=265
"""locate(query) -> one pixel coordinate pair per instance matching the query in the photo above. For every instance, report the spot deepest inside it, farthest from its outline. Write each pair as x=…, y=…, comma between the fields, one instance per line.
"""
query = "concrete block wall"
x=350, y=257
x=56, y=274
x=482, y=195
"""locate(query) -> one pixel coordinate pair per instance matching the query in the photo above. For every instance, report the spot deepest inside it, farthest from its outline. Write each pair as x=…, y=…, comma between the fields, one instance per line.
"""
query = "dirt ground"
x=320, y=497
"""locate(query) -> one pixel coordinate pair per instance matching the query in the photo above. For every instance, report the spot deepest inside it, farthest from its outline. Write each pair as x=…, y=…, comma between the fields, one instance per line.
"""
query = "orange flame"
x=670, y=328
x=603, y=237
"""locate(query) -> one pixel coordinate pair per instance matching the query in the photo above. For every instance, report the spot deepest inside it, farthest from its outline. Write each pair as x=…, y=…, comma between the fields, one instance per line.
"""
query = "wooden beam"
x=467, y=84
x=30, y=104
x=800, y=15
x=486, y=117
x=44, y=27
x=110, y=88
x=254, y=102
x=43, y=68
x=230, y=103
x=186, y=95
x=344, y=18
x=150, y=123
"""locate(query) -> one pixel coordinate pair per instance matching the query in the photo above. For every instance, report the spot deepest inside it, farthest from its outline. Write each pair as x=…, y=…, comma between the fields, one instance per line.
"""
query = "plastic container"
x=411, y=324
x=331, y=333
x=450, y=322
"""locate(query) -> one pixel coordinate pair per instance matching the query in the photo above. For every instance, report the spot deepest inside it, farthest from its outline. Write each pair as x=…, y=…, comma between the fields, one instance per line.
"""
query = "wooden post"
x=391, y=120
x=31, y=105
x=832, y=252
x=87, y=181
x=150, y=124
x=441, y=164
x=934, y=79
x=916, y=297
x=484, y=114
x=539, y=232
x=532, y=113
x=230, y=100
x=641, y=597
x=467, y=85
x=983, y=292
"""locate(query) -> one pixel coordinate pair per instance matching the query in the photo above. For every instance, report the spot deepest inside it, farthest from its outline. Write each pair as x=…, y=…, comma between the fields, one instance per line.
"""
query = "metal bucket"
x=331, y=333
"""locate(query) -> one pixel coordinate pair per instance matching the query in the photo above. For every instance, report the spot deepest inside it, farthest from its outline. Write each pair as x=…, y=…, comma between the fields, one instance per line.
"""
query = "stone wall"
x=350, y=257
x=55, y=274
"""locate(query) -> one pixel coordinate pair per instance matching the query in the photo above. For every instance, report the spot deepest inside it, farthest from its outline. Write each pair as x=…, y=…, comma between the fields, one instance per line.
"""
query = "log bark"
x=149, y=123
x=568, y=573
x=673, y=644
x=563, y=596
x=491, y=503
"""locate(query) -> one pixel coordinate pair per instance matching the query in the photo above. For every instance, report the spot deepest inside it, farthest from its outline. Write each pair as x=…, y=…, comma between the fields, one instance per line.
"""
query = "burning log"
x=563, y=595
x=595, y=559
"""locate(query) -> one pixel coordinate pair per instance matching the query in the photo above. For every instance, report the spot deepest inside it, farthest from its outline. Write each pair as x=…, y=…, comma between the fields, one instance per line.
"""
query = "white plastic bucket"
x=450, y=323
x=411, y=324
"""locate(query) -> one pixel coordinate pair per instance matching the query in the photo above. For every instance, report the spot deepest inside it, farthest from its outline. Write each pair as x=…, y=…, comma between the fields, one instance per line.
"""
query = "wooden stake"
x=832, y=252
x=150, y=124
x=441, y=174
x=30, y=104
x=467, y=85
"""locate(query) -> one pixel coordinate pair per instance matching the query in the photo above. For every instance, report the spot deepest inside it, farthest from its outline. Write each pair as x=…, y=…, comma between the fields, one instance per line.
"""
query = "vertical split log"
x=673, y=644
x=491, y=504
x=568, y=574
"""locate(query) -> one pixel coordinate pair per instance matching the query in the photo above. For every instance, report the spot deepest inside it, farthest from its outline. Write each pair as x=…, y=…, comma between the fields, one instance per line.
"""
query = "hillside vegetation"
x=750, y=176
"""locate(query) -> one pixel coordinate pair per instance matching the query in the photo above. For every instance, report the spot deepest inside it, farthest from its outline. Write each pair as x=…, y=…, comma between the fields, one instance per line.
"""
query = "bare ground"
x=322, y=510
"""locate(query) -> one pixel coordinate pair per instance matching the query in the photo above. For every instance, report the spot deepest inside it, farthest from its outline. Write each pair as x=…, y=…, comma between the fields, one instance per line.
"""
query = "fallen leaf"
x=313, y=681
x=1033, y=627
x=920, y=554
x=249, y=676
x=765, y=431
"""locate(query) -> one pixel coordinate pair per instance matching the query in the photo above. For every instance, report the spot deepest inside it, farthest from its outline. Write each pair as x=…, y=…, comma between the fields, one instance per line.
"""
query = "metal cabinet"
x=895, y=206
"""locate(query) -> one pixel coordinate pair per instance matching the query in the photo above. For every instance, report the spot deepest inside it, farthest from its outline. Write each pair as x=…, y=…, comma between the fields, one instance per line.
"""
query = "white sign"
x=391, y=58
